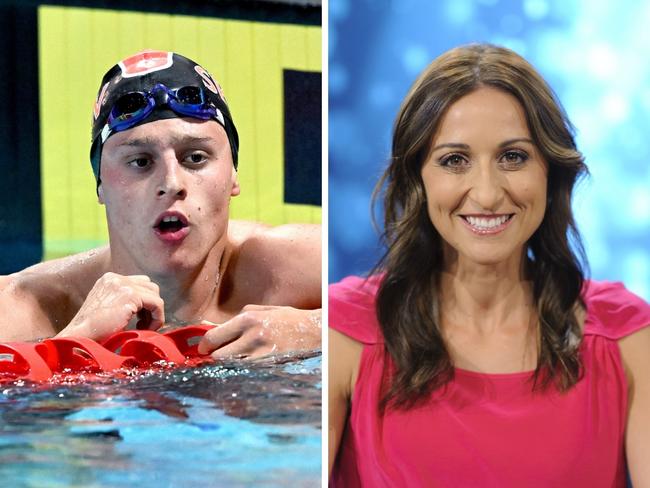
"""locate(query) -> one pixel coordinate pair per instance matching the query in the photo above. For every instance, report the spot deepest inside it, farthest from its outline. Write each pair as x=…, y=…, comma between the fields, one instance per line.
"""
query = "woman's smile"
x=485, y=180
x=487, y=224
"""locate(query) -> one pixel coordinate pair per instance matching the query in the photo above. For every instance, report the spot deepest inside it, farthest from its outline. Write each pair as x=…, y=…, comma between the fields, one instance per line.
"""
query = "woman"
x=477, y=354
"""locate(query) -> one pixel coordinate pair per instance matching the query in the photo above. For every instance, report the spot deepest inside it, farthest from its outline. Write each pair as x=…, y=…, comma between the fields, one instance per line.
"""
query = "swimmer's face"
x=167, y=186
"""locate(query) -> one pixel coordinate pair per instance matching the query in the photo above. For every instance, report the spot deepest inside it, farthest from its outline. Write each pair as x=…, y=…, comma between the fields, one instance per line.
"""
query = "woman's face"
x=485, y=180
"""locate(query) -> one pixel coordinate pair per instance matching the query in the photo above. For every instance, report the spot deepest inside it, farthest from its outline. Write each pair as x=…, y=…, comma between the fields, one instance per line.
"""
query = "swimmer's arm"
x=75, y=296
x=277, y=279
x=302, y=263
x=259, y=330
x=289, y=257
x=343, y=358
x=113, y=302
x=22, y=316
x=41, y=300
x=635, y=352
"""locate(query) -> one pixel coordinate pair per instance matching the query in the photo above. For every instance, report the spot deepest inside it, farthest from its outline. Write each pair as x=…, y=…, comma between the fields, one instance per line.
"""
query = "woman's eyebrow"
x=516, y=139
x=452, y=145
x=458, y=145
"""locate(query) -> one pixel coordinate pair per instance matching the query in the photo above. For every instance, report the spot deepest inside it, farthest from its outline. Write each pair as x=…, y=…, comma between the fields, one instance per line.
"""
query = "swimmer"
x=164, y=154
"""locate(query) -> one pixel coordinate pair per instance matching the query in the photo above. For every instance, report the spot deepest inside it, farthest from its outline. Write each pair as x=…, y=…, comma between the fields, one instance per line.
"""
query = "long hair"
x=407, y=299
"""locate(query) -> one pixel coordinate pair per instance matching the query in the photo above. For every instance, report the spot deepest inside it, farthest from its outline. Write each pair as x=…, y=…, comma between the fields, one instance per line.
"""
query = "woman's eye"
x=514, y=158
x=139, y=162
x=196, y=158
x=453, y=161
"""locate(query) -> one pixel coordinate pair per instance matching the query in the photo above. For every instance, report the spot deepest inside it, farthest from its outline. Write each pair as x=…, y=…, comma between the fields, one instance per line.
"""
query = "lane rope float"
x=129, y=349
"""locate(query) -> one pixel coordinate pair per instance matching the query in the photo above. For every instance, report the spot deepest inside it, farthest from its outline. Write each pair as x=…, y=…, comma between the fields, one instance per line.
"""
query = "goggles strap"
x=218, y=116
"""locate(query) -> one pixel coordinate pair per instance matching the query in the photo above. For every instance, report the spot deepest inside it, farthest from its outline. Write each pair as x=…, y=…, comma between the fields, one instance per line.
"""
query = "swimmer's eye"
x=139, y=162
x=195, y=158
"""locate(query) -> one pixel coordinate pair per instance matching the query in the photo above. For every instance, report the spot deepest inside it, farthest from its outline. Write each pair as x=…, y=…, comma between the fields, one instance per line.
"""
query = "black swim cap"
x=142, y=72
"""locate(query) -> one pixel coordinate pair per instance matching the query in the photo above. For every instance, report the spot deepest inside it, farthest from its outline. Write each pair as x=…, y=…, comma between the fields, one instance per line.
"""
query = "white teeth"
x=172, y=218
x=486, y=223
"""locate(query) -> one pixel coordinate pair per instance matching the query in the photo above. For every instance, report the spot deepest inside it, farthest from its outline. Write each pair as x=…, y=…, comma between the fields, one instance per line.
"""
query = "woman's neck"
x=488, y=318
x=486, y=296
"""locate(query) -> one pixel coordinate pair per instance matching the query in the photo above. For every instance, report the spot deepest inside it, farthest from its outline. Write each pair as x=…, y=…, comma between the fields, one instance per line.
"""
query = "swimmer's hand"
x=261, y=330
x=113, y=302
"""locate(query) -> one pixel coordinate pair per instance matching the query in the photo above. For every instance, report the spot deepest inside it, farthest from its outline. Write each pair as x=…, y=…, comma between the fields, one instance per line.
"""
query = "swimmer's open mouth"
x=170, y=222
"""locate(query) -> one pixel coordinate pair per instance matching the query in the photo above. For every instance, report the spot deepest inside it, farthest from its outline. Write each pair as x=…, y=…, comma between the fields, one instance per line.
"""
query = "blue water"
x=233, y=425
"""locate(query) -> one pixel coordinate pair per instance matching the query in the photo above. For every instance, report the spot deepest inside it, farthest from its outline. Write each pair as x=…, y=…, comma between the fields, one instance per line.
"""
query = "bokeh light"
x=593, y=53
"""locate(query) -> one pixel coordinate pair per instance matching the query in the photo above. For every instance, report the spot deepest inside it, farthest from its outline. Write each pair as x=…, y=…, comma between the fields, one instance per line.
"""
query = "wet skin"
x=174, y=257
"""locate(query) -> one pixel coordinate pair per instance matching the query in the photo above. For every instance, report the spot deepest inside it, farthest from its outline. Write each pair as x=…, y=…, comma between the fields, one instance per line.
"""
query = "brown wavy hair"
x=407, y=303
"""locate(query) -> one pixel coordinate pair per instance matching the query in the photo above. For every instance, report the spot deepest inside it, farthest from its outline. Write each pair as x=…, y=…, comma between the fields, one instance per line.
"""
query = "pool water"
x=232, y=425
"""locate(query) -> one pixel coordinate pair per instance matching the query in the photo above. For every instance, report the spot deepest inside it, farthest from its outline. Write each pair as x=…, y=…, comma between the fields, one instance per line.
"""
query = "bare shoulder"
x=635, y=352
x=40, y=300
x=282, y=263
x=270, y=238
x=73, y=275
x=344, y=371
x=19, y=312
x=342, y=376
x=240, y=230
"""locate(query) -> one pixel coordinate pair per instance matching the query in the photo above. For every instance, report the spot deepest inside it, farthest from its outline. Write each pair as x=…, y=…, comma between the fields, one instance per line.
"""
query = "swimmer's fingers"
x=239, y=349
x=141, y=297
x=261, y=330
x=220, y=337
x=151, y=314
x=113, y=301
x=141, y=281
x=150, y=310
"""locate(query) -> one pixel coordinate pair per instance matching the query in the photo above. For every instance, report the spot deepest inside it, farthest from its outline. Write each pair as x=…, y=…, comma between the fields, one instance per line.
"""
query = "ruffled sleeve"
x=613, y=311
x=352, y=308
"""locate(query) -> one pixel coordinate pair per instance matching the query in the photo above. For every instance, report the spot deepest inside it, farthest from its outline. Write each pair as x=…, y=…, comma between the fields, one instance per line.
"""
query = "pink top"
x=490, y=430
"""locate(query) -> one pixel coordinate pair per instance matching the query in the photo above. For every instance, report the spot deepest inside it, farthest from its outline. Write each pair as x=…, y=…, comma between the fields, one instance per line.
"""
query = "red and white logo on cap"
x=209, y=82
x=101, y=99
x=145, y=62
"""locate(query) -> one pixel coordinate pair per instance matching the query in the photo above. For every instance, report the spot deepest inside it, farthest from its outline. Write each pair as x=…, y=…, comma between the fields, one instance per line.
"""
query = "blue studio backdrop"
x=594, y=53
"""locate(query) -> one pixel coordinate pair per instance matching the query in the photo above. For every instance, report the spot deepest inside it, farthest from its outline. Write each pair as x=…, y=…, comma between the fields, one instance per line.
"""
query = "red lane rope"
x=41, y=361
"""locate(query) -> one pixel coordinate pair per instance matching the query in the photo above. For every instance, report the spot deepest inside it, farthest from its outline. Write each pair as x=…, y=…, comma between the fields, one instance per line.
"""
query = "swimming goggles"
x=133, y=107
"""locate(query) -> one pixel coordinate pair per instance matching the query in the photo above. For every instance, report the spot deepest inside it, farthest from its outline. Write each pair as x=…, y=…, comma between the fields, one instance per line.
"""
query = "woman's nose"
x=487, y=186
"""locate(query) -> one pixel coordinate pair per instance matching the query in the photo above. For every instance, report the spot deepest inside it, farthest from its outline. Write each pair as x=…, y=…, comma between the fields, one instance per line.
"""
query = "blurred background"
x=594, y=53
x=266, y=54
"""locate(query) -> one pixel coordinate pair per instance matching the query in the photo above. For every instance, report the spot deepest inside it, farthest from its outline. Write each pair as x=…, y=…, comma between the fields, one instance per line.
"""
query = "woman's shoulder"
x=351, y=308
x=613, y=311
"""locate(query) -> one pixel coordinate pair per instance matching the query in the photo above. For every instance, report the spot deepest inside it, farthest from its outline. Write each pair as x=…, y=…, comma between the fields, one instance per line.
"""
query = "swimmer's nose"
x=171, y=182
